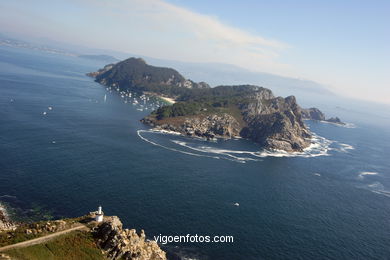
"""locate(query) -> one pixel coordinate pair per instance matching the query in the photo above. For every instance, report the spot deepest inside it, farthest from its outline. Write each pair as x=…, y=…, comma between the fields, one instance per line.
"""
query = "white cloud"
x=159, y=29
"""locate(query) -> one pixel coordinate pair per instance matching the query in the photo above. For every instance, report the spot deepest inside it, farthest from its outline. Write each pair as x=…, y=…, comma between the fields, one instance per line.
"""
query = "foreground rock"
x=5, y=223
x=118, y=243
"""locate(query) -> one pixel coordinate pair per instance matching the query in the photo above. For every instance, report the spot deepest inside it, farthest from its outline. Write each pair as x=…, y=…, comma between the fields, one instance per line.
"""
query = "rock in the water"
x=335, y=120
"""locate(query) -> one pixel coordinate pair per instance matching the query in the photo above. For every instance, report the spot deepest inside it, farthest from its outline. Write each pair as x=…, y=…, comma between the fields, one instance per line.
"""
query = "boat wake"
x=232, y=150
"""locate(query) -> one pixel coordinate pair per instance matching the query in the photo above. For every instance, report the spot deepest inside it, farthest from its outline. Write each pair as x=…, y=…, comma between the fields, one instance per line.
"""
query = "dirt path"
x=40, y=240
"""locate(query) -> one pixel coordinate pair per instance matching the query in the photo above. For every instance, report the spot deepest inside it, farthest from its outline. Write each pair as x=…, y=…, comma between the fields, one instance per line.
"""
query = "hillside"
x=77, y=238
x=136, y=75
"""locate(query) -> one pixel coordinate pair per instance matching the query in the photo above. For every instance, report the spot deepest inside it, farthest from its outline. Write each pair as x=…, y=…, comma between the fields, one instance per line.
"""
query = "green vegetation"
x=222, y=99
x=75, y=245
x=21, y=234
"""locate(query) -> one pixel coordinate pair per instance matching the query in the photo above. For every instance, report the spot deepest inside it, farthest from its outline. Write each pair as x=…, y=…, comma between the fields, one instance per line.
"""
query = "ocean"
x=67, y=145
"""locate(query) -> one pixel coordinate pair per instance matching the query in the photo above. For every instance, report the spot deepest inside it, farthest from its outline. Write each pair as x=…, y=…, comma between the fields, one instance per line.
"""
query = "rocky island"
x=245, y=111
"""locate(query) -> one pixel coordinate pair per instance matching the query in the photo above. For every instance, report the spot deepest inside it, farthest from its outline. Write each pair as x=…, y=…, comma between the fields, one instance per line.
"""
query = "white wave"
x=382, y=192
x=363, y=174
x=319, y=147
x=343, y=148
x=169, y=148
x=208, y=149
x=345, y=125
x=377, y=188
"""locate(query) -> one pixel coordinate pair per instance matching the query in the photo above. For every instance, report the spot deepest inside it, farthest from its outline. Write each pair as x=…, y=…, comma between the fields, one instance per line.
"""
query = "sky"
x=344, y=45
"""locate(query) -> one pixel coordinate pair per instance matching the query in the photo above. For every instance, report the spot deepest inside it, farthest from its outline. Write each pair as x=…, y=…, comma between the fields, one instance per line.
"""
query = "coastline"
x=166, y=99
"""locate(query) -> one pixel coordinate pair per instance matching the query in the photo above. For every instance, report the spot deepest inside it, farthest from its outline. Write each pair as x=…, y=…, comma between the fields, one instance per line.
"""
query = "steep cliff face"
x=313, y=114
x=126, y=244
x=275, y=123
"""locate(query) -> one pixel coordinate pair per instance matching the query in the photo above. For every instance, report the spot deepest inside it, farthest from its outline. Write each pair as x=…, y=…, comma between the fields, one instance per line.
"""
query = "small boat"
x=44, y=113
x=50, y=108
x=236, y=204
x=105, y=97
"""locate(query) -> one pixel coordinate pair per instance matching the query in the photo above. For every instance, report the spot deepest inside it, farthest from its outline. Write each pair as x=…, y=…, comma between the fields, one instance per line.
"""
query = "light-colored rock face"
x=276, y=123
x=120, y=243
x=5, y=223
x=313, y=114
x=212, y=126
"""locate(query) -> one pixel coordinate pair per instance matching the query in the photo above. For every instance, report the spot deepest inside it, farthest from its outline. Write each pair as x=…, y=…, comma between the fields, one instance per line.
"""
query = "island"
x=229, y=111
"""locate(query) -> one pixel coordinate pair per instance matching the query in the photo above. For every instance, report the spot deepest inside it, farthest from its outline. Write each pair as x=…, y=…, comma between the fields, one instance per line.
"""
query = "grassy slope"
x=19, y=235
x=75, y=245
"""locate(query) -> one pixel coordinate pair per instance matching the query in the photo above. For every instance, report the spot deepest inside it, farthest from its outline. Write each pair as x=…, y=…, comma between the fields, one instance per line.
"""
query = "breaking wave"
x=320, y=146
x=377, y=188
x=363, y=174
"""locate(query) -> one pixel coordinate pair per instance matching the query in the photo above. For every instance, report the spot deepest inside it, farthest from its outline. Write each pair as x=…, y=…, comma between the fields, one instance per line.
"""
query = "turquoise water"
x=331, y=202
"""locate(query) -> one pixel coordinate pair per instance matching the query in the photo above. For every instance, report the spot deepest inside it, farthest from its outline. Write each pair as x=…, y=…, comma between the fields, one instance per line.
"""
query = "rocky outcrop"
x=5, y=222
x=315, y=114
x=209, y=127
x=335, y=120
x=126, y=244
x=275, y=123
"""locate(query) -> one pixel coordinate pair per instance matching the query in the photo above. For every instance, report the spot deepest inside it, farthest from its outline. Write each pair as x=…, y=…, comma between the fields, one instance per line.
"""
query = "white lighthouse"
x=99, y=215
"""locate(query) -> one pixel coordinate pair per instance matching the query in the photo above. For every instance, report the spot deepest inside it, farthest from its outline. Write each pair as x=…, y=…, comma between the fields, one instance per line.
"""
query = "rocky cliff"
x=315, y=114
x=126, y=244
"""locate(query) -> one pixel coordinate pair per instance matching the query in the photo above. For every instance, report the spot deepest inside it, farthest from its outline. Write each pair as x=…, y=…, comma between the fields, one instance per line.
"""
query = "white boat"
x=105, y=97
x=236, y=204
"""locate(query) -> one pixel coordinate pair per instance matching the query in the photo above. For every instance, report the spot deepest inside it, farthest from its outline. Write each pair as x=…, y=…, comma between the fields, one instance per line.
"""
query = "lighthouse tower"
x=99, y=215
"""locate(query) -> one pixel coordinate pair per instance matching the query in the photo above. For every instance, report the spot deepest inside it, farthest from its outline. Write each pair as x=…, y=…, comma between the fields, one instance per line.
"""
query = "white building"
x=99, y=215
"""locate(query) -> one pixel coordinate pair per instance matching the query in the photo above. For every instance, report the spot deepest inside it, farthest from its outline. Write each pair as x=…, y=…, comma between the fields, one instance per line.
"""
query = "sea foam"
x=319, y=146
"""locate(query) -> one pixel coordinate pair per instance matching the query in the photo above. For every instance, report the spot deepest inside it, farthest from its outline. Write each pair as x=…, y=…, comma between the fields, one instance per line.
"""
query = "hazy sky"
x=342, y=44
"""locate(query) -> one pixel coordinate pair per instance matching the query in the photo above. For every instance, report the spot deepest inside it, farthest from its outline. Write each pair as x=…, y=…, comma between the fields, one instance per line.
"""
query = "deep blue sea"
x=331, y=202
